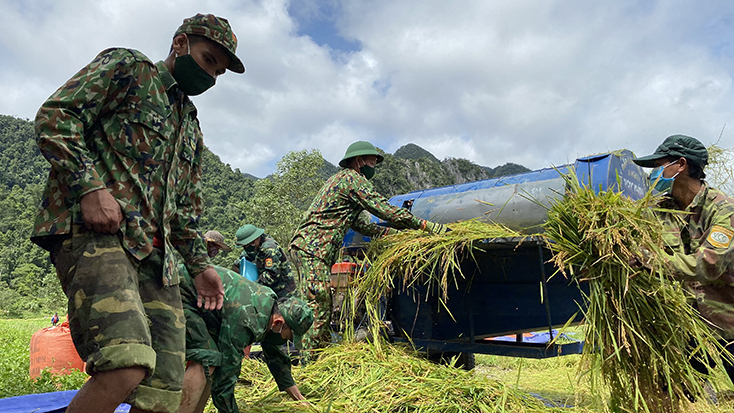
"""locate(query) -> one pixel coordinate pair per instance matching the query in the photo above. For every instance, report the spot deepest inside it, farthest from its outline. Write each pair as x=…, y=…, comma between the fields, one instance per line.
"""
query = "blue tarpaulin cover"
x=539, y=338
x=55, y=402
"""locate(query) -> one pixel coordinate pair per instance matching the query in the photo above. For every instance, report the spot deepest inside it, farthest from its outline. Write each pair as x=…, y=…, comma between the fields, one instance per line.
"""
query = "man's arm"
x=60, y=124
x=185, y=234
x=271, y=273
x=279, y=365
x=400, y=218
x=714, y=256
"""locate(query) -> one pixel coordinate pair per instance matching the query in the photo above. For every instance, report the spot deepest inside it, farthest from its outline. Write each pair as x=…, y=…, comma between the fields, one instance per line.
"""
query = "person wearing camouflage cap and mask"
x=215, y=340
x=698, y=221
x=339, y=206
x=273, y=268
x=123, y=192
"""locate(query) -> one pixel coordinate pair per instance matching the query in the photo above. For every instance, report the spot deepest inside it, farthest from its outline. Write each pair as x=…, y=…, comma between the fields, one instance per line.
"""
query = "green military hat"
x=298, y=315
x=360, y=148
x=677, y=146
x=218, y=30
x=247, y=233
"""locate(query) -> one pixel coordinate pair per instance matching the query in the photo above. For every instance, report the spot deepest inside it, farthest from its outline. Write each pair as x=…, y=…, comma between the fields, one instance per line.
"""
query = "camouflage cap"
x=677, y=146
x=297, y=314
x=216, y=29
x=215, y=237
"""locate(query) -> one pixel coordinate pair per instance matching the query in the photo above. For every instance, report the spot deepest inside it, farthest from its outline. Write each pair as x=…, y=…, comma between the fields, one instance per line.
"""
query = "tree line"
x=28, y=284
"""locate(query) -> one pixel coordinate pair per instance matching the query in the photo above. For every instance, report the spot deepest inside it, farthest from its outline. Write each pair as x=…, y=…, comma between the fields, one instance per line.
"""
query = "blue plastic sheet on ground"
x=54, y=402
x=538, y=338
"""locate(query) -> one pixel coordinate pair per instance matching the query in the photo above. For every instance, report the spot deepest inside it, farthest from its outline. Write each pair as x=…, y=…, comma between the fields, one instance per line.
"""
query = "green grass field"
x=554, y=380
x=15, y=336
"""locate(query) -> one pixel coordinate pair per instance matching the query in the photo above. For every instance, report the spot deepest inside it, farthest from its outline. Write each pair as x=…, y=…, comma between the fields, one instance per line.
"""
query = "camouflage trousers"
x=201, y=335
x=314, y=288
x=120, y=315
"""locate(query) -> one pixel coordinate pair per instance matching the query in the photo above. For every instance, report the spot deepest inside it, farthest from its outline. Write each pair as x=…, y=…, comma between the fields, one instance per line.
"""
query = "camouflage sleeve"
x=62, y=119
x=272, y=266
x=233, y=338
x=279, y=365
x=365, y=226
x=190, y=205
x=366, y=196
x=714, y=256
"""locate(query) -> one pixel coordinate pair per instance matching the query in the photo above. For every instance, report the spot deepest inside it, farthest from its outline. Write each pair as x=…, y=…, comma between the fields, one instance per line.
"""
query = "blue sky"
x=493, y=81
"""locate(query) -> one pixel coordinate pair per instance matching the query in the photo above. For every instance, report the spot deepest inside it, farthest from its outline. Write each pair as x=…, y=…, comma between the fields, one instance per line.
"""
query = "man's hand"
x=296, y=395
x=435, y=227
x=101, y=212
x=210, y=293
x=643, y=259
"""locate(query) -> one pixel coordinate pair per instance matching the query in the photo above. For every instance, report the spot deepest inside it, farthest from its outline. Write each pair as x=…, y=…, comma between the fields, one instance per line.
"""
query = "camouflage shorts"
x=120, y=315
x=315, y=289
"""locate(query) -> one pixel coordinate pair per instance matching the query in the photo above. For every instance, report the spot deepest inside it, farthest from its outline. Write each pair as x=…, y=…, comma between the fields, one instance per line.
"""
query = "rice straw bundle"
x=355, y=378
x=410, y=257
x=639, y=323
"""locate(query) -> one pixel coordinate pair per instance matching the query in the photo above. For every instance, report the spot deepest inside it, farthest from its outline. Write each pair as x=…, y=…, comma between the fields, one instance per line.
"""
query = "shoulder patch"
x=268, y=262
x=720, y=237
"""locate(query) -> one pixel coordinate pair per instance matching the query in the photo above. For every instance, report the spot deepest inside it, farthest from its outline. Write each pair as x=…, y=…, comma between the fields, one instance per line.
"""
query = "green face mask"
x=250, y=248
x=191, y=78
x=367, y=171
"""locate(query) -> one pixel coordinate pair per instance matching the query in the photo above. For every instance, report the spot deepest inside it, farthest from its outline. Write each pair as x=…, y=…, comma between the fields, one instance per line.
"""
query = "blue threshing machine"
x=508, y=287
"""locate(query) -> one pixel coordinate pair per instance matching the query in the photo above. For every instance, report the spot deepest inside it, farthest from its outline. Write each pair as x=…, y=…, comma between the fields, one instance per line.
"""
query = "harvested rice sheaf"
x=639, y=321
x=408, y=258
x=355, y=378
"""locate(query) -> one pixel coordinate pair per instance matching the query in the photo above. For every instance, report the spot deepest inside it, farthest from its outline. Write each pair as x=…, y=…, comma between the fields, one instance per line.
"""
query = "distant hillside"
x=412, y=168
x=414, y=152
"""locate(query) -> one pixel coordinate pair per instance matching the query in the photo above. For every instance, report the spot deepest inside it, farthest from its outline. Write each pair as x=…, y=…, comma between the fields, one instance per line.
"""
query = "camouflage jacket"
x=122, y=124
x=699, y=241
x=273, y=268
x=337, y=207
x=243, y=320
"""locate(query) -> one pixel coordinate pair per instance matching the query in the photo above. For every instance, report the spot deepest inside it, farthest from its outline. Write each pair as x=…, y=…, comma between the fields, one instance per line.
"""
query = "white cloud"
x=536, y=83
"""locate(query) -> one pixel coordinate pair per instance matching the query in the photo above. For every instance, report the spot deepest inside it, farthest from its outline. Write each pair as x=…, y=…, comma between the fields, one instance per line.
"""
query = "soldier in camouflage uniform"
x=123, y=191
x=699, y=237
x=273, y=268
x=337, y=207
x=215, y=339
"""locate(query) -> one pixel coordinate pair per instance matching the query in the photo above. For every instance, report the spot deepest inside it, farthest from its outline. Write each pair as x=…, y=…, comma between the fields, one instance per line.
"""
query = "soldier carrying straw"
x=337, y=207
x=699, y=227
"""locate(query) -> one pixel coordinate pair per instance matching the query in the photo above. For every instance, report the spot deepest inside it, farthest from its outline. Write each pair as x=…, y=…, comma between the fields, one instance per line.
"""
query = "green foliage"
x=281, y=199
x=28, y=284
x=224, y=189
x=15, y=362
x=720, y=170
x=21, y=162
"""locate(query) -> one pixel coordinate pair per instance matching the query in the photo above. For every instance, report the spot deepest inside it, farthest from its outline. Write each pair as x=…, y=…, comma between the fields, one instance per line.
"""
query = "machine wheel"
x=464, y=361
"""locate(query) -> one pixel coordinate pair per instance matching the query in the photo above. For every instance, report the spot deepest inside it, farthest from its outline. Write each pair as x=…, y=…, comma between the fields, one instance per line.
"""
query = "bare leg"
x=195, y=389
x=205, y=395
x=106, y=390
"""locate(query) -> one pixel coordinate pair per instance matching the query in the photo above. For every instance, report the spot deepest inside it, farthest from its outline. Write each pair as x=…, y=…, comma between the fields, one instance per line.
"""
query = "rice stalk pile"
x=639, y=322
x=358, y=378
x=409, y=258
